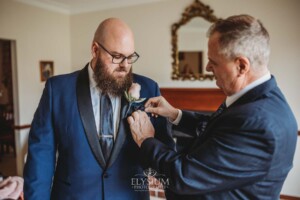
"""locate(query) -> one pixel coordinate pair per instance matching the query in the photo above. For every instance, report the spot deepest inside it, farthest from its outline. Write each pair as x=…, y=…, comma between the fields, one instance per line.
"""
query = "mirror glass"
x=192, y=48
x=189, y=43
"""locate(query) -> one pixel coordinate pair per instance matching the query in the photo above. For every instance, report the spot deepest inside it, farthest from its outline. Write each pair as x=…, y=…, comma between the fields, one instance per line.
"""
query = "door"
x=7, y=135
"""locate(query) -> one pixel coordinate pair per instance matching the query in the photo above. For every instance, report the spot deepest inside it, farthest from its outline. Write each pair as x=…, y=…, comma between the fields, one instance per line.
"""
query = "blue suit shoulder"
x=143, y=79
x=62, y=84
x=64, y=79
x=148, y=86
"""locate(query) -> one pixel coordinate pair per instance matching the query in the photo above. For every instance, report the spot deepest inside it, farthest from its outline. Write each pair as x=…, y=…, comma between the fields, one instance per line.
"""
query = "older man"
x=245, y=149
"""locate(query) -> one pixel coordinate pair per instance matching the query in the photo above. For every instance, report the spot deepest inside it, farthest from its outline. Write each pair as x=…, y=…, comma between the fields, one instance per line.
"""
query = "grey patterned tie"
x=219, y=111
x=202, y=125
x=106, y=126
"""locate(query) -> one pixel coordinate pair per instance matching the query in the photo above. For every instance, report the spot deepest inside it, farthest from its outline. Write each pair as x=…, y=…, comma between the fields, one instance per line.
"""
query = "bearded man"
x=80, y=146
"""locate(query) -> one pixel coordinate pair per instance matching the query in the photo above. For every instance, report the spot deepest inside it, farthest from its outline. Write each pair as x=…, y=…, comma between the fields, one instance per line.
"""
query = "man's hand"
x=160, y=106
x=140, y=126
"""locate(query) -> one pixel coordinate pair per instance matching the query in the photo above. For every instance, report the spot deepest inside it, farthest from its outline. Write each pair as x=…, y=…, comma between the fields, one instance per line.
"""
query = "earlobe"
x=243, y=65
x=94, y=50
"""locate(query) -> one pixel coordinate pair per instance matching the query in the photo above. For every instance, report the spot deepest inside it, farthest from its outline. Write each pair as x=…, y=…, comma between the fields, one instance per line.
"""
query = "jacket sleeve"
x=190, y=122
x=40, y=163
x=162, y=127
x=230, y=157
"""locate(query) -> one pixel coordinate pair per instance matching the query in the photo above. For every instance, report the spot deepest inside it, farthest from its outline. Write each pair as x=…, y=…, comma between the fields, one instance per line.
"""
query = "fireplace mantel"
x=194, y=99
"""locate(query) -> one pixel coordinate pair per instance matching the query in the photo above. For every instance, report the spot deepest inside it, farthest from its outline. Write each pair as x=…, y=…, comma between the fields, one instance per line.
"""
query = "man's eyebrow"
x=120, y=54
x=210, y=60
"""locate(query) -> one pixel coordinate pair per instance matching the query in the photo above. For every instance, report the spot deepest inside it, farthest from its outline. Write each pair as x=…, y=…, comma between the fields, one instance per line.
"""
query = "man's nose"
x=208, y=67
x=124, y=63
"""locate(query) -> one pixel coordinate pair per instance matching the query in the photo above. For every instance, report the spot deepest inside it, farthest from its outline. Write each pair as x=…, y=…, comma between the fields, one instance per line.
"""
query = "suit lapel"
x=87, y=115
x=122, y=131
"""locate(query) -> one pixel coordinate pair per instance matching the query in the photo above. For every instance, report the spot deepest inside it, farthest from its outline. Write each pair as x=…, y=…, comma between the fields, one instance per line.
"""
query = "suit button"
x=105, y=175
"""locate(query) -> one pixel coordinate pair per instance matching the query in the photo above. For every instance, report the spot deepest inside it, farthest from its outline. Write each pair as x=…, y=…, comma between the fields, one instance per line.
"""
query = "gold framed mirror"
x=189, y=54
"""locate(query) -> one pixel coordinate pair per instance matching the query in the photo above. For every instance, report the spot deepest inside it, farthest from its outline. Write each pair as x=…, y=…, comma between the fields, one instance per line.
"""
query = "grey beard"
x=108, y=84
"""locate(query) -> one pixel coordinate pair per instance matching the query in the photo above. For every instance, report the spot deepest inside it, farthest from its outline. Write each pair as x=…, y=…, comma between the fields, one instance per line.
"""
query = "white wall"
x=39, y=35
x=292, y=184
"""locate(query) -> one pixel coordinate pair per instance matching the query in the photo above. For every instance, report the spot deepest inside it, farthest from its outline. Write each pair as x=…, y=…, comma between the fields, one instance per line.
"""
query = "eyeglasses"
x=118, y=59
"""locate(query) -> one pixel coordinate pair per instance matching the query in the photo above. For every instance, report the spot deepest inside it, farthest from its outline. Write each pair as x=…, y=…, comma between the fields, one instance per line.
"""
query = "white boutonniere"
x=133, y=94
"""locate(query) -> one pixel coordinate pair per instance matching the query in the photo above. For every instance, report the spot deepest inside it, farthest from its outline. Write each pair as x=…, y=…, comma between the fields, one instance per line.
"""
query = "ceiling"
x=81, y=6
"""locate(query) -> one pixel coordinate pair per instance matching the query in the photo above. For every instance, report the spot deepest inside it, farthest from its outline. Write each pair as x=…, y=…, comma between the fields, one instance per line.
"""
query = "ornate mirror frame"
x=196, y=9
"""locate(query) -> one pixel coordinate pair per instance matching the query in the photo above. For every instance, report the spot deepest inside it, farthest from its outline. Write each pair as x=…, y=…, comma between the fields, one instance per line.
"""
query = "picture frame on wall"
x=46, y=70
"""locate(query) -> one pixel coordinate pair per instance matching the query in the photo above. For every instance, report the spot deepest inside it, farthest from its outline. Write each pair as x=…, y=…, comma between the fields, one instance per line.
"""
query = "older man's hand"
x=140, y=126
x=160, y=106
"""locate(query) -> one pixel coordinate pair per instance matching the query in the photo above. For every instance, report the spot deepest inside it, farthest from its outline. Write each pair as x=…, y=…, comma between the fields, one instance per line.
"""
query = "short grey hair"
x=243, y=35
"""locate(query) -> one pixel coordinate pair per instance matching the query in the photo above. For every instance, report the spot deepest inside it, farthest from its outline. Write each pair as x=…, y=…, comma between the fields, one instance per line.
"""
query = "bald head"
x=114, y=31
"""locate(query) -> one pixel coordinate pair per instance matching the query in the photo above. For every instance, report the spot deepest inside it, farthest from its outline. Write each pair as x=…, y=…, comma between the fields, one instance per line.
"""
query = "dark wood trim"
x=299, y=133
x=20, y=127
x=196, y=99
x=286, y=197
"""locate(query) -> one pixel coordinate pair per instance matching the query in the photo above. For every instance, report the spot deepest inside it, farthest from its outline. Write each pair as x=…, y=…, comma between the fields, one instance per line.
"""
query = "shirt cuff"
x=177, y=120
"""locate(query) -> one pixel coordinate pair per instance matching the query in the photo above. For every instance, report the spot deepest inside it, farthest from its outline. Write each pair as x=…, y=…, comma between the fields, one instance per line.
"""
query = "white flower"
x=134, y=90
x=133, y=93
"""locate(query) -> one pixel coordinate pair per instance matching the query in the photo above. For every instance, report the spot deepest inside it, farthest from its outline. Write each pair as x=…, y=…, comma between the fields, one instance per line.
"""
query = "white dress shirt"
x=95, y=96
x=231, y=99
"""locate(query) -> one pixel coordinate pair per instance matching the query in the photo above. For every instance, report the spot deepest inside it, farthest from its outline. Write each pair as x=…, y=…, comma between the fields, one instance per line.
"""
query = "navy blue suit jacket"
x=244, y=153
x=64, y=123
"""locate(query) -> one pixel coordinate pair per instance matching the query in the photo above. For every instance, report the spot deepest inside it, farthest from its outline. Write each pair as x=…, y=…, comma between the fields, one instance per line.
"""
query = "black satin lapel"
x=123, y=128
x=87, y=115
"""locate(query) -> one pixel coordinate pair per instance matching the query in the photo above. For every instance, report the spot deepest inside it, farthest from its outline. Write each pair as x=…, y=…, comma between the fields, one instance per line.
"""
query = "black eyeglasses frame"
x=124, y=57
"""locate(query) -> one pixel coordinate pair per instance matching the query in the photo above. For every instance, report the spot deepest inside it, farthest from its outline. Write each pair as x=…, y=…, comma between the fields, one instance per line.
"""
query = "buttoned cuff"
x=177, y=120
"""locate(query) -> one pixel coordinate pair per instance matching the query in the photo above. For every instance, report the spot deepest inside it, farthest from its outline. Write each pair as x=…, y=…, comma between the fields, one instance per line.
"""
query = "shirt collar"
x=91, y=77
x=231, y=99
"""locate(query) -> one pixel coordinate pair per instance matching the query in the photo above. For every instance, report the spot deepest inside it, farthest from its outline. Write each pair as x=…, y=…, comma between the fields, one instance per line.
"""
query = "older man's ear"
x=243, y=65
